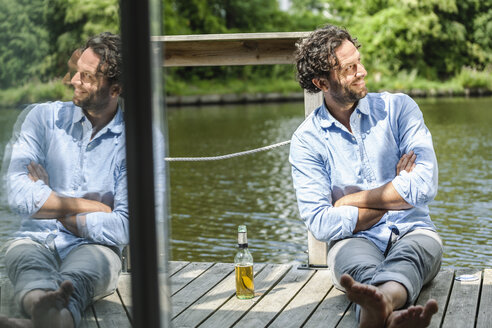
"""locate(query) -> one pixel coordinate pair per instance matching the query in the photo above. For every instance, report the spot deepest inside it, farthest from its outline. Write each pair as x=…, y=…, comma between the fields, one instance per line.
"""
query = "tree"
x=71, y=22
x=23, y=42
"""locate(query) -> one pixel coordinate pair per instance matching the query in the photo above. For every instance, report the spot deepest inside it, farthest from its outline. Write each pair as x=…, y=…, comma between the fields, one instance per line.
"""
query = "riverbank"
x=203, y=100
x=468, y=83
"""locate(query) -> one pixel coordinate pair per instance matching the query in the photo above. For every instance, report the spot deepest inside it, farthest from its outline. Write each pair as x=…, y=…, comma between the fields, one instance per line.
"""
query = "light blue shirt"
x=57, y=135
x=329, y=162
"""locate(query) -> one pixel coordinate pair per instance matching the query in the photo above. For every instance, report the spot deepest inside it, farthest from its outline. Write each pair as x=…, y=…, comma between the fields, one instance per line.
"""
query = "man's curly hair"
x=108, y=47
x=315, y=55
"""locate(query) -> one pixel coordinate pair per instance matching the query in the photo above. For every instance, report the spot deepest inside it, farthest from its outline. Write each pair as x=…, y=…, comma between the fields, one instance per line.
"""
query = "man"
x=67, y=180
x=364, y=170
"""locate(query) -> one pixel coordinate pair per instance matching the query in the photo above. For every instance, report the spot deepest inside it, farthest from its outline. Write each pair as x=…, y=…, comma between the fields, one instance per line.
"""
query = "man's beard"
x=95, y=100
x=342, y=94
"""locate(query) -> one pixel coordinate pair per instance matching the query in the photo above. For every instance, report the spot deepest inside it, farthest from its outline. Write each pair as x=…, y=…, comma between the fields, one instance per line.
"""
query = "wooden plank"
x=187, y=274
x=438, y=289
x=484, y=319
x=272, y=303
x=88, y=319
x=111, y=313
x=167, y=39
x=175, y=266
x=330, y=311
x=235, y=308
x=349, y=320
x=211, y=301
x=304, y=303
x=229, y=49
x=125, y=292
x=198, y=287
x=463, y=302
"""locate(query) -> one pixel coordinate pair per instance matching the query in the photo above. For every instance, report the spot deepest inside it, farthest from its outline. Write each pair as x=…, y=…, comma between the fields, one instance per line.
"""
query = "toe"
x=431, y=307
x=346, y=281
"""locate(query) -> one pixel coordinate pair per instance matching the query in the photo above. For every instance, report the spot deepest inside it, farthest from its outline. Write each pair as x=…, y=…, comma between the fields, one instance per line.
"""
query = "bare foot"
x=51, y=309
x=375, y=306
x=413, y=317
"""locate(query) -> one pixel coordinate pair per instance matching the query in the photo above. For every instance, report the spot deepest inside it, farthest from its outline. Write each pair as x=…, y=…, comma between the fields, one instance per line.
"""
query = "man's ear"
x=321, y=83
x=115, y=90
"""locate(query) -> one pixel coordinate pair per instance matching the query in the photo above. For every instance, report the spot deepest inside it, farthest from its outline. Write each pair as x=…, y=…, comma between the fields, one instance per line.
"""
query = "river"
x=208, y=200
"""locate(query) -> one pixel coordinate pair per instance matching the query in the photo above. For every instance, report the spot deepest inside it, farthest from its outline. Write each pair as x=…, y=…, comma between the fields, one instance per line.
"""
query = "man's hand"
x=406, y=162
x=37, y=172
x=70, y=223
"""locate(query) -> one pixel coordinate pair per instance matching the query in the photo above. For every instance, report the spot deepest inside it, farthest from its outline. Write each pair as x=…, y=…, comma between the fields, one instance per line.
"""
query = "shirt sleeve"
x=418, y=187
x=110, y=229
x=25, y=196
x=314, y=195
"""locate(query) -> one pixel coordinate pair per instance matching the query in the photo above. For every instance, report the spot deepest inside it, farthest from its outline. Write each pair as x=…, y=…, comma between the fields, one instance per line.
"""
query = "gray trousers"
x=92, y=269
x=413, y=260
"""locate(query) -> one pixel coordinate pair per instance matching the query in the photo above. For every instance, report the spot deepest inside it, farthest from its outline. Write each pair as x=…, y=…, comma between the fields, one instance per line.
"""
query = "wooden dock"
x=203, y=294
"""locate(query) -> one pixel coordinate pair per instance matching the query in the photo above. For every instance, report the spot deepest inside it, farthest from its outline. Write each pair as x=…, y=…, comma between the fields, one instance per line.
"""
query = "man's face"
x=91, y=90
x=347, y=79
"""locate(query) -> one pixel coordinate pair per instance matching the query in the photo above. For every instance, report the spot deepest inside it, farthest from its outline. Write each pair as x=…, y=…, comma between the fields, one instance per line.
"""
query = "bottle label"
x=242, y=238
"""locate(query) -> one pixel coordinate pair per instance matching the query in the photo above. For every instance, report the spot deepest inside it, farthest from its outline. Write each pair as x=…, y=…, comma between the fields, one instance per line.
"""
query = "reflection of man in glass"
x=364, y=170
x=67, y=180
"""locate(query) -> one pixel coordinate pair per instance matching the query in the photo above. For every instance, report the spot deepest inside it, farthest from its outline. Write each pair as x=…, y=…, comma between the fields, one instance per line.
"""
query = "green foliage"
x=407, y=44
x=470, y=78
x=23, y=42
x=33, y=92
x=226, y=16
x=72, y=22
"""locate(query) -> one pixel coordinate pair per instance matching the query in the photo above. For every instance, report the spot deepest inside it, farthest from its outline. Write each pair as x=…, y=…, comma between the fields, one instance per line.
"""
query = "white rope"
x=216, y=158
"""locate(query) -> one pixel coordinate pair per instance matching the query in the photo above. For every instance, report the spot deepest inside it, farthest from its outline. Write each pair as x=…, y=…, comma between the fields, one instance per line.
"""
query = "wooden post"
x=317, y=250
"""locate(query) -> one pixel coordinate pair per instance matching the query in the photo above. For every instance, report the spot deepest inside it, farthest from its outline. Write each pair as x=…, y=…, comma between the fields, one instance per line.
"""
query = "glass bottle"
x=243, y=262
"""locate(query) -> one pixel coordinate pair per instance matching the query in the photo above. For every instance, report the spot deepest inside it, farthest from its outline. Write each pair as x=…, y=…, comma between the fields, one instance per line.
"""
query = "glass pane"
x=63, y=193
x=160, y=168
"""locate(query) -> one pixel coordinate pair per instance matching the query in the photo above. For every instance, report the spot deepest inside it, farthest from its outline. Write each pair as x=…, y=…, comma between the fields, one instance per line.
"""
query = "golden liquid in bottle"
x=245, y=287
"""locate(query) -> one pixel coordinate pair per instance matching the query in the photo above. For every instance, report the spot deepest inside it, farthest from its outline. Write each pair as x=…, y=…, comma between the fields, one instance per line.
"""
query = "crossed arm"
x=374, y=203
x=65, y=209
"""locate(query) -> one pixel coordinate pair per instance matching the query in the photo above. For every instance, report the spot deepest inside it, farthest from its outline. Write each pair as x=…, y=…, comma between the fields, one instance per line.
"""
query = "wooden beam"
x=229, y=49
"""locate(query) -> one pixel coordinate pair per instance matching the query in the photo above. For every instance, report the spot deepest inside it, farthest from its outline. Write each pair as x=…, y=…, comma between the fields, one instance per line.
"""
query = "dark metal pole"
x=138, y=121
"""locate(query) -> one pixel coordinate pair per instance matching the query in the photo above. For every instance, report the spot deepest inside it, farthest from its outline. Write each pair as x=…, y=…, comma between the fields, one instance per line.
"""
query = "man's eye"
x=87, y=77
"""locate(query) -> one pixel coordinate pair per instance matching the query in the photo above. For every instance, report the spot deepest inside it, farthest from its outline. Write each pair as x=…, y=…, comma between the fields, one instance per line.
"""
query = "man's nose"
x=361, y=71
x=76, y=79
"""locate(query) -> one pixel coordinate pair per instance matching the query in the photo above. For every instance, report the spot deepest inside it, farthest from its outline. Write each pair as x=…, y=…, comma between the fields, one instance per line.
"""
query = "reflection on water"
x=210, y=199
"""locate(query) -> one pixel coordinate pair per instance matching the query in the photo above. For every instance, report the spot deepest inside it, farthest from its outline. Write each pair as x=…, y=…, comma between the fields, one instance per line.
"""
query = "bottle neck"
x=243, y=246
x=242, y=238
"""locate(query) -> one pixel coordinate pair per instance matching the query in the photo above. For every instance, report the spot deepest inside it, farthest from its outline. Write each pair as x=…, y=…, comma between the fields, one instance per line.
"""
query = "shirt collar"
x=363, y=106
x=327, y=120
x=115, y=126
x=78, y=114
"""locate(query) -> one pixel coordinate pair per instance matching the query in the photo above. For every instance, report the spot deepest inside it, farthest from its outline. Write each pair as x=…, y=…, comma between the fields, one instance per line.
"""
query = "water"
x=210, y=199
